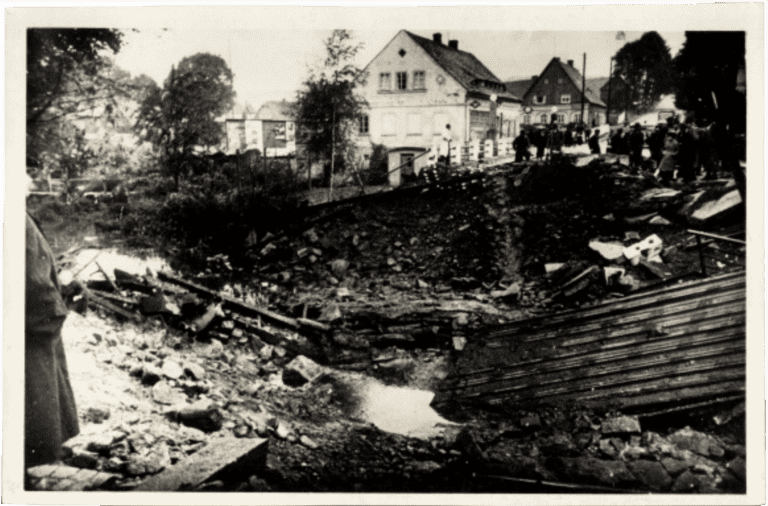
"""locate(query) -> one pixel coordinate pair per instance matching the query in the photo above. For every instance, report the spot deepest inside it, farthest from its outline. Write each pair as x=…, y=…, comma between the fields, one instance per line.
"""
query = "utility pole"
x=610, y=79
x=583, y=85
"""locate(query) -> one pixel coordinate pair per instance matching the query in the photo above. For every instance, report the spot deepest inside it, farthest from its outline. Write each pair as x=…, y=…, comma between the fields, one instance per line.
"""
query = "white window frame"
x=561, y=118
x=565, y=98
x=419, y=80
x=364, y=126
x=404, y=77
x=576, y=117
x=527, y=119
x=544, y=118
x=385, y=81
x=536, y=100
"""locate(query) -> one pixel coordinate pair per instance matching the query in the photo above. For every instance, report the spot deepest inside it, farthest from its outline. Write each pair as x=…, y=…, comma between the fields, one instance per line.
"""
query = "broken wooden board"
x=227, y=459
x=675, y=345
x=61, y=477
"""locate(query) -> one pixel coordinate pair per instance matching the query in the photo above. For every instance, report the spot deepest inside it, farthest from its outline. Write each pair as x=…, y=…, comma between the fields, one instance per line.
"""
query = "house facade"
x=423, y=93
x=557, y=94
x=271, y=130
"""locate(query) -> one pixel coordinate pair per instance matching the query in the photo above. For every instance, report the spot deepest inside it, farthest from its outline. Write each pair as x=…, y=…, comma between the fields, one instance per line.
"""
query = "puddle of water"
x=398, y=410
x=111, y=260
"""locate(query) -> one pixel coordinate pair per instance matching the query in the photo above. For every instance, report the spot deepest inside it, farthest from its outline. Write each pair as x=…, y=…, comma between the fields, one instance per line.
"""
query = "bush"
x=378, y=168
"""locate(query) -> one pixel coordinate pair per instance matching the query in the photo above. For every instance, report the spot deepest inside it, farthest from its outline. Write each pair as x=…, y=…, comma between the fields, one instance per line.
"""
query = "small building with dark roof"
x=417, y=86
x=557, y=94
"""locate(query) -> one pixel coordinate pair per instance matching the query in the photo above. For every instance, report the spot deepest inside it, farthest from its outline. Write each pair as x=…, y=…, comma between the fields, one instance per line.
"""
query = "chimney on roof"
x=570, y=63
x=453, y=44
x=437, y=37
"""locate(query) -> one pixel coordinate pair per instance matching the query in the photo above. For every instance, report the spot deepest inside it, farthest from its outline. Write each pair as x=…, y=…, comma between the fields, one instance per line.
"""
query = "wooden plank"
x=646, y=365
x=231, y=302
x=524, y=369
x=111, y=307
x=529, y=353
x=700, y=375
x=630, y=304
x=228, y=459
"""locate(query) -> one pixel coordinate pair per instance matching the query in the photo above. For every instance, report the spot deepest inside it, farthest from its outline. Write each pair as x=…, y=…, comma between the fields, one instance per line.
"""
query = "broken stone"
x=659, y=220
x=282, y=431
x=592, y=470
x=151, y=374
x=607, y=447
x=97, y=414
x=674, y=466
x=194, y=370
x=421, y=284
x=309, y=443
x=658, y=270
x=330, y=313
x=550, y=268
x=530, y=422
x=83, y=459
x=163, y=393
x=613, y=274
x=689, y=439
x=241, y=430
x=687, y=482
x=101, y=443
x=459, y=342
x=301, y=370
x=713, y=208
x=738, y=467
x=651, y=474
x=339, y=267
x=172, y=370
x=266, y=351
x=620, y=425
x=512, y=290
x=651, y=245
x=203, y=415
x=609, y=250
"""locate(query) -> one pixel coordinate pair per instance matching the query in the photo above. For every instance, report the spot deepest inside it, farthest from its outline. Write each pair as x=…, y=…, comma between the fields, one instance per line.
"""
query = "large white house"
x=422, y=92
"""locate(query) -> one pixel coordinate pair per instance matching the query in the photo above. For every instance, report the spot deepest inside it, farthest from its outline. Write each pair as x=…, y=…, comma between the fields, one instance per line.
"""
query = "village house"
x=423, y=94
x=271, y=129
x=558, y=91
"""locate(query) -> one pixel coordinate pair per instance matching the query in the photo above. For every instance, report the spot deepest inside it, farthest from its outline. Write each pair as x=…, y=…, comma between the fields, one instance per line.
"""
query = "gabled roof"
x=596, y=83
x=464, y=67
x=592, y=96
x=276, y=111
x=518, y=88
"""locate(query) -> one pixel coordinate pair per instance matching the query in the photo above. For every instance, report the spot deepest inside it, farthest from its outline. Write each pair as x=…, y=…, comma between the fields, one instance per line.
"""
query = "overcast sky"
x=271, y=65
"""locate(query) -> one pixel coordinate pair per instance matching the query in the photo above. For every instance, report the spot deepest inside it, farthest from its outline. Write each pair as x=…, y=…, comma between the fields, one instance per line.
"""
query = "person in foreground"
x=50, y=415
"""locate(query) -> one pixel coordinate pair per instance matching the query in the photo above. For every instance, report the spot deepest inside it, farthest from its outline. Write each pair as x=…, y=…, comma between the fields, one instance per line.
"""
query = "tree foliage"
x=707, y=64
x=69, y=76
x=328, y=109
x=181, y=116
x=646, y=66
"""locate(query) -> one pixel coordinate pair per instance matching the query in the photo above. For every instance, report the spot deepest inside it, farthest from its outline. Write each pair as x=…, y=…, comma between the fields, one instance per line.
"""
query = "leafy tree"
x=708, y=65
x=66, y=79
x=646, y=66
x=180, y=117
x=328, y=109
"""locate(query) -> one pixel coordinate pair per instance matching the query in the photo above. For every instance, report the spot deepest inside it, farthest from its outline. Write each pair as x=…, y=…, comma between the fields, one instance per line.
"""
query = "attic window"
x=401, y=53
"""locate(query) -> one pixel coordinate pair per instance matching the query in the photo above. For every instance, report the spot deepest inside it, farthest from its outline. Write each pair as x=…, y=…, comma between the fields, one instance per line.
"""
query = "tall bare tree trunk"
x=333, y=154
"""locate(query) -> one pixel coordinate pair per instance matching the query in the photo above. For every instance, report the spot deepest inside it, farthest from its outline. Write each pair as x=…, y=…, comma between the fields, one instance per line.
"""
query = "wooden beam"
x=228, y=459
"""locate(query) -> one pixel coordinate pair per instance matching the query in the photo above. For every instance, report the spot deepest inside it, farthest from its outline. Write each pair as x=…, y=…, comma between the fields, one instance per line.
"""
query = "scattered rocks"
x=301, y=370
x=620, y=425
x=151, y=374
x=97, y=414
x=309, y=443
x=172, y=369
x=592, y=470
x=196, y=371
x=689, y=439
x=651, y=474
x=163, y=393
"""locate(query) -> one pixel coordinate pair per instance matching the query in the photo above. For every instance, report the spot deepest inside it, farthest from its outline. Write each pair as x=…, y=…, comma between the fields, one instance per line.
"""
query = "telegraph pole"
x=583, y=85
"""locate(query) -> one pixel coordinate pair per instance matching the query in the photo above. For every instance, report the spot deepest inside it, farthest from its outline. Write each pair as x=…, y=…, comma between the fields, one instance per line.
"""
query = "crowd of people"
x=677, y=150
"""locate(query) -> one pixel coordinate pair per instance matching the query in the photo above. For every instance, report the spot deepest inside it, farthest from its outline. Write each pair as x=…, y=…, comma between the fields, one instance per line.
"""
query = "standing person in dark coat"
x=541, y=143
x=636, y=142
x=521, y=144
x=594, y=142
x=615, y=144
x=569, y=136
x=50, y=416
x=656, y=143
x=707, y=153
x=686, y=157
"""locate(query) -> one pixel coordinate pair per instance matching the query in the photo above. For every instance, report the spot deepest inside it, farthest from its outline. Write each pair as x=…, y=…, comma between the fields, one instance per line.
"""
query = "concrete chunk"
x=229, y=459
x=301, y=370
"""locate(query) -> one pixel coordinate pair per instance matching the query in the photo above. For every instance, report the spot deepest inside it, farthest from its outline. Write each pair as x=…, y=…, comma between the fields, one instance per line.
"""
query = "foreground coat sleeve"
x=45, y=308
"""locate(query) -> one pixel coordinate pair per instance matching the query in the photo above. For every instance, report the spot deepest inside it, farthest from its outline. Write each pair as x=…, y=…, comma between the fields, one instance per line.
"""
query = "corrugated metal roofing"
x=674, y=346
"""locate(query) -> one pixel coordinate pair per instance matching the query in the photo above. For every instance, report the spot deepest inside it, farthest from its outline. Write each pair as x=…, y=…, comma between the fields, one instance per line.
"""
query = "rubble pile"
x=393, y=289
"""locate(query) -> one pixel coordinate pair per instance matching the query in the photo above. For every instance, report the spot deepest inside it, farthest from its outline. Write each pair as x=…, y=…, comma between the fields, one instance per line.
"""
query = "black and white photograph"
x=385, y=253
